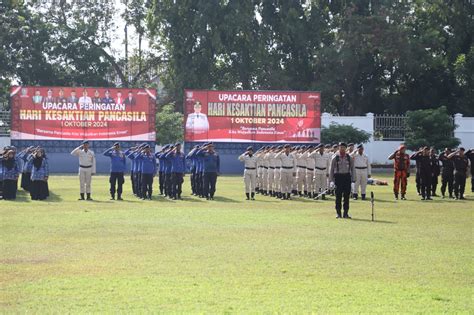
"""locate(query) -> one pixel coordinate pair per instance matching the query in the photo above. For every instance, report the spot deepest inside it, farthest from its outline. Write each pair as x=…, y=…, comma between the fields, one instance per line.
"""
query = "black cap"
x=328, y=146
x=147, y=146
x=116, y=144
x=350, y=144
x=85, y=142
x=462, y=149
x=319, y=146
x=249, y=148
x=360, y=146
x=342, y=144
x=286, y=145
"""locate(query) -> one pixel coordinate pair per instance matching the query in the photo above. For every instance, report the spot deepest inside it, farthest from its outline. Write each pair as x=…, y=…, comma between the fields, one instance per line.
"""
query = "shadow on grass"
x=376, y=221
x=225, y=199
x=24, y=196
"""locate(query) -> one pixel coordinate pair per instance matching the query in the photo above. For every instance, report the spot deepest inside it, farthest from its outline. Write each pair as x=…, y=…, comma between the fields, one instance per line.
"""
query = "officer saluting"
x=341, y=173
x=117, y=168
x=362, y=171
x=250, y=172
x=86, y=168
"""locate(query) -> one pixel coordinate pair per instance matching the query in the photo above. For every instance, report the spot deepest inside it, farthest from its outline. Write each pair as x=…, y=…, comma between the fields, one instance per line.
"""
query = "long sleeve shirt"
x=147, y=163
x=132, y=155
x=42, y=172
x=117, y=160
x=86, y=158
x=10, y=173
x=288, y=161
x=210, y=161
x=177, y=160
x=250, y=162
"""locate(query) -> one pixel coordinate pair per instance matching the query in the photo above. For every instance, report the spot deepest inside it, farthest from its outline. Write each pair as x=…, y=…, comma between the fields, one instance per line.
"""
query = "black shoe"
x=82, y=197
x=363, y=197
x=119, y=198
x=288, y=196
x=403, y=197
x=346, y=216
x=338, y=217
x=252, y=196
x=89, y=197
x=462, y=198
x=323, y=197
x=355, y=197
x=429, y=198
x=396, y=196
x=248, y=196
x=112, y=197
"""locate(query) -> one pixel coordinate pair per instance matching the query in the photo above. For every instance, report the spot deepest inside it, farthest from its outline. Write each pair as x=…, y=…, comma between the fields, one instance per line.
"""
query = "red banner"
x=68, y=113
x=252, y=116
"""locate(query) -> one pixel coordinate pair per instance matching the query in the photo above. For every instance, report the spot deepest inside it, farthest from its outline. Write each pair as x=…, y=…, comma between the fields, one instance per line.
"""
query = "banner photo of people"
x=252, y=116
x=67, y=113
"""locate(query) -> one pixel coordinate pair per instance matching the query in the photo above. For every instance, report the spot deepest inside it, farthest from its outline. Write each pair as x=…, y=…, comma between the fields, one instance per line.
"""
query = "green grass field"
x=232, y=255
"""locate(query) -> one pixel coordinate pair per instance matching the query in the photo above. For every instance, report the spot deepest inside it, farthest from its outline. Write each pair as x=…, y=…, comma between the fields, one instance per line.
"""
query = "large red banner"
x=252, y=116
x=68, y=113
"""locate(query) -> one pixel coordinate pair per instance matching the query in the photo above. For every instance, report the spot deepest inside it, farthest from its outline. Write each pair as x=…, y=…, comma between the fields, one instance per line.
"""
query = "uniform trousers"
x=343, y=191
x=209, y=183
x=85, y=178
x=361, y=177
x=250, y=178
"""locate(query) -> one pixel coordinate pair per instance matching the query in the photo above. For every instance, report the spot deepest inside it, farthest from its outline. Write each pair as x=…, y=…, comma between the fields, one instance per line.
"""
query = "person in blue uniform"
x=27, y=166
x=11, y=171
x=211, y=169
x=167, y=172
x=161, y=170
x=193, y=177
x=39, y=175
x=132, y=153
x=147, y=162
x=118, y=166
x=178, y=168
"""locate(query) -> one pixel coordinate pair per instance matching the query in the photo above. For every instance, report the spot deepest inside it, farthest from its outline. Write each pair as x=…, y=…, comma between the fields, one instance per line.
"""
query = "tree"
x=169, y=125
x=338, y=132
x=430, y=127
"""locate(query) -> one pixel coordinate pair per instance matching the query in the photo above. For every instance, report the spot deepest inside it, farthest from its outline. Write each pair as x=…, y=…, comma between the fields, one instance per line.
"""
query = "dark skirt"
x=39, y=190
x=26, y=181
x=9, y=189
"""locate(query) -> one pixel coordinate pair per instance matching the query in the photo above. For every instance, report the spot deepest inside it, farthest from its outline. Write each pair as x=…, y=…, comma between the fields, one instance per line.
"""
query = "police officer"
x=211, y=169
x=147, y=171
x=178, y=168
x=424, y=170
x=447, y=173
x=461, y=164
x=341, y=175
x=117, y=169
x=87, y=168
x=362, y=170
x=250, y=172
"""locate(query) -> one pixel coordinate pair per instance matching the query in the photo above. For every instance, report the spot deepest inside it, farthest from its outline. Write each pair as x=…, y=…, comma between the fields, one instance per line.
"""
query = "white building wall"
x=464, y=130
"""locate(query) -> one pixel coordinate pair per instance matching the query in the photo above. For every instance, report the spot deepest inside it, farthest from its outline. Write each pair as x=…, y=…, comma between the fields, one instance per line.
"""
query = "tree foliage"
x=338, y=132
x=169, y=125
x=430, y=127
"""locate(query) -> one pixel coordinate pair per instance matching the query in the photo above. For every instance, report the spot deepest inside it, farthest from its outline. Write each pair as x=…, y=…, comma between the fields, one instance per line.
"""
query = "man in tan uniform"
x=250, y=172
x=288, y=168
x=362, y=171
x=87, y=167
x=310, y=163
x=277, y=173
x=300, y=170
x=321, y=170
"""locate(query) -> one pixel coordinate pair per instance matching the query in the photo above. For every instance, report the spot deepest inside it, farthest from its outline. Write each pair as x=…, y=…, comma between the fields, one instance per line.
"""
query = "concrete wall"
x=464, y=130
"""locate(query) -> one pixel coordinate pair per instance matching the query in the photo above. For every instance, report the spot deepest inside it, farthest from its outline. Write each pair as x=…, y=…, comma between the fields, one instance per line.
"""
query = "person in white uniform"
x=288, y=169
x=362, y=172
x=250, y=172
x=322, y=162
x=87, y=168
x=197, y=122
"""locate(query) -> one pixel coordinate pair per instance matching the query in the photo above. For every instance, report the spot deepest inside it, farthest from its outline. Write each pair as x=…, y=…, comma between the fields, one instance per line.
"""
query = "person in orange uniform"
x=401, y=166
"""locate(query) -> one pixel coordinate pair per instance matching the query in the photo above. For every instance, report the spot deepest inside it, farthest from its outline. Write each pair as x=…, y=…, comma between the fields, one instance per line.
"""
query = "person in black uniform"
x=435, y=170
x=424, y=171
x=470, y=155
x=341, y=175
x=461, y=164
x=417, y=175
x=447, y=173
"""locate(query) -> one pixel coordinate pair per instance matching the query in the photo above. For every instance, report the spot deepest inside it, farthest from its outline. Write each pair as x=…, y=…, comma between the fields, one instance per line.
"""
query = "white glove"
x=331, y=185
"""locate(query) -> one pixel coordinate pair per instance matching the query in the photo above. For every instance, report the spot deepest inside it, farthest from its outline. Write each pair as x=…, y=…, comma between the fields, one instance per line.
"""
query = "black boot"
x=355, y=197
x=323, y=197
x=119, y=197
x=89, y=196
x=396, y=196
x=252, y=196
x=338, y=214
x=288, y=196
x=248, y=196
x=403, y=197
x=112, y=196
x=82, y=197
x=363, y=196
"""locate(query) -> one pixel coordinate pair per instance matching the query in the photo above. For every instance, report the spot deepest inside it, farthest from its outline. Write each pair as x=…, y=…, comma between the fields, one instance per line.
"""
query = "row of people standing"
x=452, y=165
x=33, y=166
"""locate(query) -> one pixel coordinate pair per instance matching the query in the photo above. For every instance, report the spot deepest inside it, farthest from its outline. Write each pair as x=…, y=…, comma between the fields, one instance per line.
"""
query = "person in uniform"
x=417, y=175
x=270, y=157
x=447, y=173
x=193, y=176
x=301, y=171
x=470, y=156
x=131, y=153
x=11, y=170
x=277, y=173
x=435, y=171
x=211, y=169
x=322, y=163
x=178, y=168
x=341, y=175
x=118, y=165
x=401, y=167
x=197, y=122
x=424, y=170
x=39, y=175
x=461, y=164
x=362, y=170
x=161, y=170
x=87, y=168
x=250, y=172
x=147, y=162
x=288, y=169
x=27, y=166
x=310, y=163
